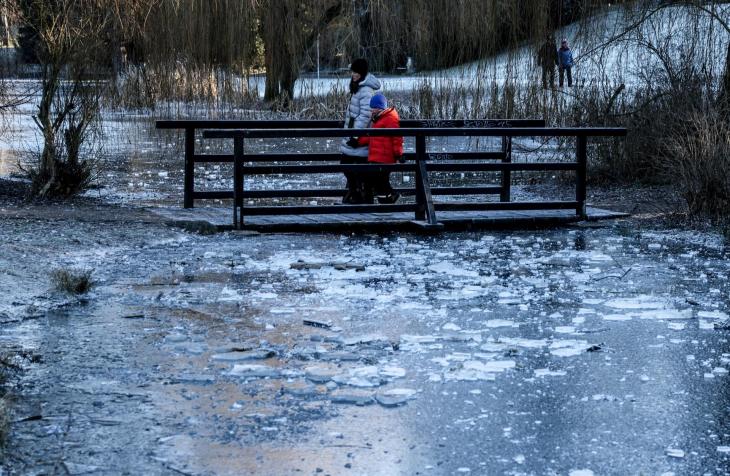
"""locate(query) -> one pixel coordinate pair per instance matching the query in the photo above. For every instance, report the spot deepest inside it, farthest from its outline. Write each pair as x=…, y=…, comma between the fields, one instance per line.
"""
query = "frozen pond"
x=593, y=349
x=585, y=350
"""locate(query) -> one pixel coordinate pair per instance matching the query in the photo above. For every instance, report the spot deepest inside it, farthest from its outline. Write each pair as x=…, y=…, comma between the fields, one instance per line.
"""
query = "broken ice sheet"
x=368, y=376
x=257, y=354
x=674, y=453
x=319, y=374
x=352, y=397
x=448, y=268
x=638, y=302
x=665, y=314
x=617, y=317
x=493, y=323
x=395, y=397
x=521, y=342
x=719, y=315
x=254, y=371
x=473, y=370
x=568, y=348
x=720, y=371
x=366, y=339
x=229, y=295
x=550, y=373
x=392, y=372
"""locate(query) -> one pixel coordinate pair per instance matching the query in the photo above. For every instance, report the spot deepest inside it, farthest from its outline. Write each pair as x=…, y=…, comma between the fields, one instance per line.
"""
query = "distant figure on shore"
x=383, y=151
x=547, y=58
x=362, y=87
x=565, y=62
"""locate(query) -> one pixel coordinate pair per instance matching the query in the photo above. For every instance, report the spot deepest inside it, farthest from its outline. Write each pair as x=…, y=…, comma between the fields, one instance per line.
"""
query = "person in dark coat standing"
x=382, y=151
x=547, y=58
x=565, y=63
x=362, y=87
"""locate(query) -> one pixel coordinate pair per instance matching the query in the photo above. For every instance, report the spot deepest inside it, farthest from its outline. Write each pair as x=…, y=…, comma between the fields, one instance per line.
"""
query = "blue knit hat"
x=378, y=101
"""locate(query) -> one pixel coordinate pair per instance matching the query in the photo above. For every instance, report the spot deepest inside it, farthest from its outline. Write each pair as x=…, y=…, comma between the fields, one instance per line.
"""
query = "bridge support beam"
x=424, y=201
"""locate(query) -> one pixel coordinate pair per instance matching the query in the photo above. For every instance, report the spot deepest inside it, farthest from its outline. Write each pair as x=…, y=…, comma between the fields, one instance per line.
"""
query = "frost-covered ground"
x=594, y=349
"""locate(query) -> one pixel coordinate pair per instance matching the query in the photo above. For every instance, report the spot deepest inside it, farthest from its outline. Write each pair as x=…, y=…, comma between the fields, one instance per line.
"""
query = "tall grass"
x=698, y=159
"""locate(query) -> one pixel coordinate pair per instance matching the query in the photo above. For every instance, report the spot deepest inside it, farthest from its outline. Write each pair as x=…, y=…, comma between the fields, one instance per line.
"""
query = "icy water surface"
x=573, y=351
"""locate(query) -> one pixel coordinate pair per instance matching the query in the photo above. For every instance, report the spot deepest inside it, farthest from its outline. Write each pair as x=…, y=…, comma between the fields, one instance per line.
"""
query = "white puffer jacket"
x=358, y=113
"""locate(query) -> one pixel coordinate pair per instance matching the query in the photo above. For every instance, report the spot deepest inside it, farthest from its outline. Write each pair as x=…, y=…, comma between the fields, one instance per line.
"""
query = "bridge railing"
x=424, y=207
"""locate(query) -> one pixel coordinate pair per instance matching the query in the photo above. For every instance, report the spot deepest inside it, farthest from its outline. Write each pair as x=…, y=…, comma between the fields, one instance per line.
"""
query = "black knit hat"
x=360, y=66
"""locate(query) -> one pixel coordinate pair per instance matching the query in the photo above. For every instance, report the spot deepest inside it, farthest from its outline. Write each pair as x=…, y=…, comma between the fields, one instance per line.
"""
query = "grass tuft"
x=72, y=281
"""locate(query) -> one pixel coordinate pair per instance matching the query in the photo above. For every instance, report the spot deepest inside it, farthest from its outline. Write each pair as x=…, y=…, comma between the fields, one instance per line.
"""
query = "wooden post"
x=238, y=158
x=420, y=195
x=506, y=192
x=189, y=180
x=581, y=158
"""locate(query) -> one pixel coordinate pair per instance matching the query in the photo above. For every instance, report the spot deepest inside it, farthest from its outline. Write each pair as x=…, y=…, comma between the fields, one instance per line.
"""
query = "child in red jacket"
x=383, y=150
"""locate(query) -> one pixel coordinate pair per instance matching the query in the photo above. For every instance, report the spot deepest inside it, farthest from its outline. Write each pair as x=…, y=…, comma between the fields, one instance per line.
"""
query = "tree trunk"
x=283, y=48
x=47, y=169
x=6, y=25
x=273, y=15
x=723, y=99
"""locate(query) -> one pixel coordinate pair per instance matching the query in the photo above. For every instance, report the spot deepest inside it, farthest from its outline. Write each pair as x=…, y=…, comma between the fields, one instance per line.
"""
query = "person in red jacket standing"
x=382, y=150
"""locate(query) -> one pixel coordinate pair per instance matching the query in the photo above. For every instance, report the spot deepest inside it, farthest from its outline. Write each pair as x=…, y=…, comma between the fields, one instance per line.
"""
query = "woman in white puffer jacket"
x=362, y=87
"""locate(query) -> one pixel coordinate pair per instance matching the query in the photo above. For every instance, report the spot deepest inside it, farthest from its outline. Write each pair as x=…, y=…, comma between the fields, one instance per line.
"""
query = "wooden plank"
x=335, y=192
x=496, y=167
x=335, y=157
x=327, y=169
x=489, y=206
x=415, y=132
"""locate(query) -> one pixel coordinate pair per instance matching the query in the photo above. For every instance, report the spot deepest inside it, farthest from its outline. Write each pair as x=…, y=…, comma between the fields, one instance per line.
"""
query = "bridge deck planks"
x=221, y=217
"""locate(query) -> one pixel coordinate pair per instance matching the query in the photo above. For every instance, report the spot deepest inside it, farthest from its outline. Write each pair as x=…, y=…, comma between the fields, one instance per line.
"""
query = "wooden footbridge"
x=464, y=206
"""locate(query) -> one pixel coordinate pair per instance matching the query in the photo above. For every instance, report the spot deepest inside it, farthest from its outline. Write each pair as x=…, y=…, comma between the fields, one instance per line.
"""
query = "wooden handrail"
x=419, y=132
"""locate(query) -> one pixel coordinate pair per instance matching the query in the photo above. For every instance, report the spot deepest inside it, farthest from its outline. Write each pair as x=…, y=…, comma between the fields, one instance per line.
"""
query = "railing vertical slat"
x=189, y=180
x=506, y=193
x=420, y=195
x=238, y=158
x=581, y=157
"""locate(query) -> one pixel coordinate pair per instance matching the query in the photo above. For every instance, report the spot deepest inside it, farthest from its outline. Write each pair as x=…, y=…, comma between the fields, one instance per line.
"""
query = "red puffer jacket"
x=384, y=150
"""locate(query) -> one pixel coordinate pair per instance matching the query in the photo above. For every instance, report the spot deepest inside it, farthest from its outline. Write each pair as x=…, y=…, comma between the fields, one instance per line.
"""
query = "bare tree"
x=74, y=43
